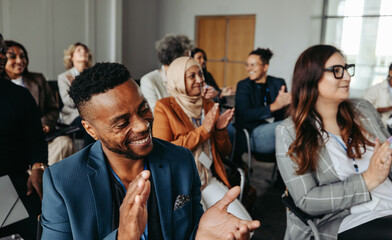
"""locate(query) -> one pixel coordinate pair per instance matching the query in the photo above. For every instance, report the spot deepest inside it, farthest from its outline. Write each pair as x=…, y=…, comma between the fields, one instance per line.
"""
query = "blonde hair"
x=70, y=51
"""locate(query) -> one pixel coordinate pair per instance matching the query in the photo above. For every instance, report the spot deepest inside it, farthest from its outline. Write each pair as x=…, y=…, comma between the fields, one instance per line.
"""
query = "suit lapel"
x=100, y=188
x=160, y=171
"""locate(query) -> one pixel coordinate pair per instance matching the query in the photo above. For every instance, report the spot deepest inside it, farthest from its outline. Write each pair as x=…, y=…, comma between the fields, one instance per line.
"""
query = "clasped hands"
x=379, y=166
x=216, y=222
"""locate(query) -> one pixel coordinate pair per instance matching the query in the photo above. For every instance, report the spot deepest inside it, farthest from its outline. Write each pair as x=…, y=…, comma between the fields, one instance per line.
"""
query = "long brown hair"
x=308, y=71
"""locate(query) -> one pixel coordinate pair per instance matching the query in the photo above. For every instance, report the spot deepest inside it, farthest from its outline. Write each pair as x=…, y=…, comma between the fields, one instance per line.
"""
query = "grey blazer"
x=322, y=193
x=69, y=111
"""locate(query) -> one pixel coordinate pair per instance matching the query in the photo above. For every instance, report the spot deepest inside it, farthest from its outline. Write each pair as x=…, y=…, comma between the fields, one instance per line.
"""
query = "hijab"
x=191, y=105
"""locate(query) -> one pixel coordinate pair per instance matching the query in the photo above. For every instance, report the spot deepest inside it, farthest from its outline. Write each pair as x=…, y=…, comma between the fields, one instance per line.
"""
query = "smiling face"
x=331, y=89
x=121, y=119
x=16, y=62
x=255, y=68
x=194, y=80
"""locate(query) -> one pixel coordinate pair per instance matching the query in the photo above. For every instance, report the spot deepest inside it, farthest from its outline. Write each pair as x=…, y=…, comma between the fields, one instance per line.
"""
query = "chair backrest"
x=55, y=89
x=39, y=228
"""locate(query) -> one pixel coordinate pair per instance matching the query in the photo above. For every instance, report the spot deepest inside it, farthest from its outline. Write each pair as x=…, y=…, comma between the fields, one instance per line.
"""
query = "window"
x=362, y=29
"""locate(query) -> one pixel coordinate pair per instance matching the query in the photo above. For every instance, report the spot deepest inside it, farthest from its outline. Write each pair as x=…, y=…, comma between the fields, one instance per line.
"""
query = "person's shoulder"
x=208, y=103
x=72, y=163
x=34, y=76
x=360, y=104
x=150, y=76
x=276, y=79
x=9, y=88
x=165, y=102
x=63, y=75
x=164, y=148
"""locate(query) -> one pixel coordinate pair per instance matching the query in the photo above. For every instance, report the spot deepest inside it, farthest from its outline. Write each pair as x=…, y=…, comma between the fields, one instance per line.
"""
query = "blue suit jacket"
x=250, y=111
x=77, y=202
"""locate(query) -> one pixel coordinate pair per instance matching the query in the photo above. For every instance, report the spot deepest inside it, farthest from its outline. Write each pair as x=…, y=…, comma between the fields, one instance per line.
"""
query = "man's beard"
x=127, y=153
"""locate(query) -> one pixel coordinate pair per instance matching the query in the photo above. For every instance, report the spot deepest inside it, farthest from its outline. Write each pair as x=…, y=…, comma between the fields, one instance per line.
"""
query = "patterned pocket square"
x=180, y=201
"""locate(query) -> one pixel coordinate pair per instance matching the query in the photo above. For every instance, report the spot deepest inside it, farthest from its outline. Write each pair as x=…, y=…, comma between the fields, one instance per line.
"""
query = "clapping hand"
x=282, y=100
x=133, y=210
x=225, y=119
x=210, y=118
x=217, y=223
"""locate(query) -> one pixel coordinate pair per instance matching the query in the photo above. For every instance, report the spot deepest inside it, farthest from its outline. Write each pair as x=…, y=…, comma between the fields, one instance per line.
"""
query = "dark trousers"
x=380, y=229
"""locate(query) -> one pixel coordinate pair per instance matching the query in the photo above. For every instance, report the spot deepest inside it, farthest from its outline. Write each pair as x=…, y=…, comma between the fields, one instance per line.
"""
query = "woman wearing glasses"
x=260, y=102
x=333, y=153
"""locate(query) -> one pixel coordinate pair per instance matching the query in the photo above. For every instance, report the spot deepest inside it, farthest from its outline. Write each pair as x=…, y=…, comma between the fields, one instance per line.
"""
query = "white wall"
x=140, y=31
x=287, y=27
x=47, y=27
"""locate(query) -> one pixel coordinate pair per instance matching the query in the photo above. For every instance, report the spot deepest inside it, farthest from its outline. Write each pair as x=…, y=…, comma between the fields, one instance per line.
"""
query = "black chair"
x=304, y=217
x=61, y=128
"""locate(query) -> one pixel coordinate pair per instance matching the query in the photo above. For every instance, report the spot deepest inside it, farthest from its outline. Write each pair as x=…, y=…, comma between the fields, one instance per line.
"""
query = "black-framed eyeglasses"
x=338, y=70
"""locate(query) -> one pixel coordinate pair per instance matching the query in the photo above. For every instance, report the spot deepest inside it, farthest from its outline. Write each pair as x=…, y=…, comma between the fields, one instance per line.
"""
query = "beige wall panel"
x=211, y=35
x=241, y=37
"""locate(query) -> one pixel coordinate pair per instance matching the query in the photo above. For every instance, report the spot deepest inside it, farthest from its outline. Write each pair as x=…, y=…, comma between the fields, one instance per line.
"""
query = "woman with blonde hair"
x=76, y=58
x=186, y=119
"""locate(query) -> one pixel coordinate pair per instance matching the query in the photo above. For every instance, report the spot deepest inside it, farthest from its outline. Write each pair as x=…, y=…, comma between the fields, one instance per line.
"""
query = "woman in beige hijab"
x=186, y=119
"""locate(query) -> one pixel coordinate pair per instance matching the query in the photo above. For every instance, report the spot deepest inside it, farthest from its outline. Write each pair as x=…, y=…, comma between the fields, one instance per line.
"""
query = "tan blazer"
x=43, y=96
x=322, y=193
x=173, y=125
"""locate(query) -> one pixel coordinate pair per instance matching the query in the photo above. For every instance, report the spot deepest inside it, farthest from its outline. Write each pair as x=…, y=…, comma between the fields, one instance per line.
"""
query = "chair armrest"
x=242, y=175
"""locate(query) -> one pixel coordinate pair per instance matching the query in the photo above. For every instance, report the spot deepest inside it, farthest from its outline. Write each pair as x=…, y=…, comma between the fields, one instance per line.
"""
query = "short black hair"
x=95, y=80
x=264, y=54
x=390, y=67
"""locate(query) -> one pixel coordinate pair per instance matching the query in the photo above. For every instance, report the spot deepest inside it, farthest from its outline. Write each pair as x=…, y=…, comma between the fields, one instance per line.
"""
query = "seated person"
x=129, y=185
x=260, y=102
x=170, y=47
x=76, y=58
x=17, y=71
x=380, y=96
x=22, y=146
x=216, y=94
x=188, y=120
x=330, y=154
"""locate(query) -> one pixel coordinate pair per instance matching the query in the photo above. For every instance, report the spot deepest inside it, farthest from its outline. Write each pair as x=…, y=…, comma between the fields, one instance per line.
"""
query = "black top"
x=22, y=140
x=250, y=102
x=118, y=194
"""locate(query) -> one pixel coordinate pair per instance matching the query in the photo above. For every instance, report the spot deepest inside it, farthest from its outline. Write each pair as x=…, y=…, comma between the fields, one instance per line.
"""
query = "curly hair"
x=171, y=47
x=95, y=80
x=11, y=43
x=70, y=51
x=264, y=54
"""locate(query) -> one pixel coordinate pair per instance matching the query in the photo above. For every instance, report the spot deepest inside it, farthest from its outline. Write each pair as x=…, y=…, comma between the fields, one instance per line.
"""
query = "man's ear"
x=266, y=66
x=90, y=129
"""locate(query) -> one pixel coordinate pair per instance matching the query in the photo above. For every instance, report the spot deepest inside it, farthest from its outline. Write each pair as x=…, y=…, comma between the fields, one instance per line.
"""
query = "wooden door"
x=227, y=41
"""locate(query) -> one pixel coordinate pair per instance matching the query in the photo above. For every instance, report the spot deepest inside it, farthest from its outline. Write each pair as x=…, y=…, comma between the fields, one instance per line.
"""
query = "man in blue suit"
x=128, y=185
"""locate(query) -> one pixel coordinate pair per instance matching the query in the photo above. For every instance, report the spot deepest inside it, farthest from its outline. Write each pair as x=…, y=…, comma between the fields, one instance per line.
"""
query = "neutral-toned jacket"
x=322, y=193
x=380, y=97
x=153, y=87
x=43, y=96
x=69, y=111
x=173, y=125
